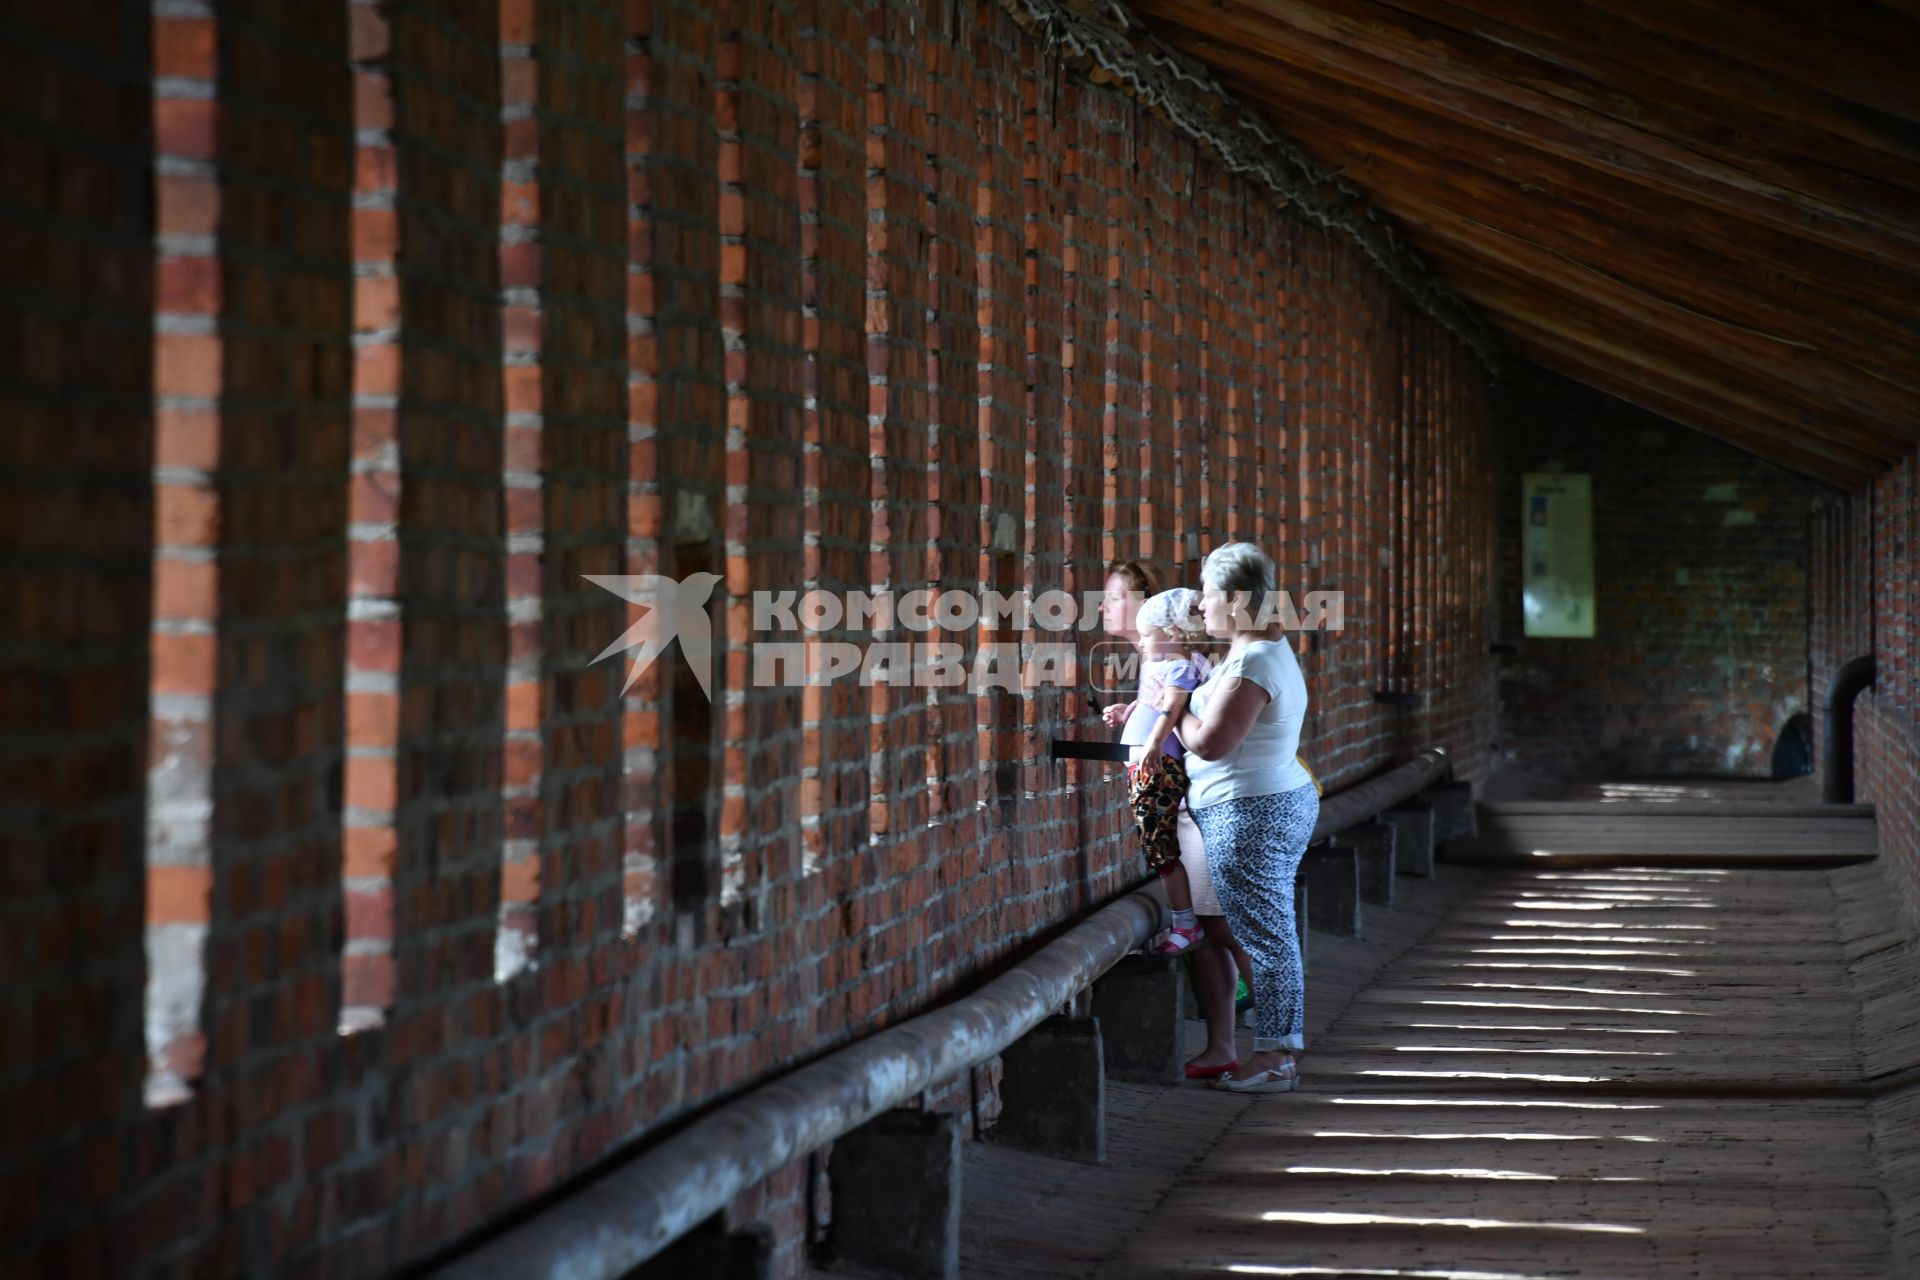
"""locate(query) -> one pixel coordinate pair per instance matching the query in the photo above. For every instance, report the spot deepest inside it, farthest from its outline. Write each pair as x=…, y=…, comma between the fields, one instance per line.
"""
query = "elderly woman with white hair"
x=1253, y=800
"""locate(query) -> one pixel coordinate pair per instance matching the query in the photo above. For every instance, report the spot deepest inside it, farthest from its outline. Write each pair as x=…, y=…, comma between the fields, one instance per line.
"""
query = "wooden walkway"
x=1590, y=1072
x=1670, y=830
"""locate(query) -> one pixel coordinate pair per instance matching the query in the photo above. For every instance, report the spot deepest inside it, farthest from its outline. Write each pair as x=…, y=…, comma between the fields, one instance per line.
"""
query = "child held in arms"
x=1171, y=634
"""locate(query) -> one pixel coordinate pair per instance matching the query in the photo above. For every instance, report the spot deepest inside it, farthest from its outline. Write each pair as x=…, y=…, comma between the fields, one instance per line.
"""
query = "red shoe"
x=1178, y=941
x=1211, y=1073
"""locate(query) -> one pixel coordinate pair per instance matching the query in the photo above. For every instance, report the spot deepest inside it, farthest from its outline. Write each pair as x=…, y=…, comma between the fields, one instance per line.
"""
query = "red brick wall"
x=1862, y=600
x=1700, y=573
x=188, y=368
x=272, y=1000
x=370, y=785
x=77, y=341
x=464, y=301
x=1841, y=551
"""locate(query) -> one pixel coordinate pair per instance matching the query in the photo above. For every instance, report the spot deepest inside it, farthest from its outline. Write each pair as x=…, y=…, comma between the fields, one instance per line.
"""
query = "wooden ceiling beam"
x=1686, y=302
x=1752, y=375
x=1691, y=49
x=1688, y=413
x=1713, y=222
x=1843, y=17
x=1855, y=53
x=1837, y=476
x=1684, y=372
x=1624, y=385
x=1688, y=281
x=1446, y=154
x=1396, y=62
x=1771, y=128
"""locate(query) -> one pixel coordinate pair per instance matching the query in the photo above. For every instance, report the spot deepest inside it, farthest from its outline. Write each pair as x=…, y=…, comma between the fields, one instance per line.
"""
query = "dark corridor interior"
x=548, y=549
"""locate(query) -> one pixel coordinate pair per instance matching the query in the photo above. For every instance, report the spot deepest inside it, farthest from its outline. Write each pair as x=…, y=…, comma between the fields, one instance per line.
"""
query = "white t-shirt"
x=1265, y=762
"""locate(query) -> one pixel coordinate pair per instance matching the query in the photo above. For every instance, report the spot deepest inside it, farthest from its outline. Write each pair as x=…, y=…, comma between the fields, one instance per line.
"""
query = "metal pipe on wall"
x=1354, y=805
x=634, y=1210
x=1836, y=742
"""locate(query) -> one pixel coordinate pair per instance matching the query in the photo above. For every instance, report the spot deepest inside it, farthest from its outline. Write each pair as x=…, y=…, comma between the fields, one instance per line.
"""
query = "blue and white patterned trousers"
x=1254, y=846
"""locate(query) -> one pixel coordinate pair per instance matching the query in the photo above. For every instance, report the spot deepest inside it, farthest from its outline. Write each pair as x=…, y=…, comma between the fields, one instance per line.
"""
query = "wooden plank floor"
x=1032, y=1218
x=1618, y=1072
x=1678, y=830
x=1804, y=790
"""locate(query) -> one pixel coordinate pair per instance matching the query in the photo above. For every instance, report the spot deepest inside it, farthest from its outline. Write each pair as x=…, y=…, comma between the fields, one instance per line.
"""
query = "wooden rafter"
x=1770, y=286
x=1406, y=66
x=1717, y=219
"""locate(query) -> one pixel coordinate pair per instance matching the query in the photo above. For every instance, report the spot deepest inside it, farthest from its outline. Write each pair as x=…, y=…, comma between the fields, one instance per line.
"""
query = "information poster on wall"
x=1556, y=553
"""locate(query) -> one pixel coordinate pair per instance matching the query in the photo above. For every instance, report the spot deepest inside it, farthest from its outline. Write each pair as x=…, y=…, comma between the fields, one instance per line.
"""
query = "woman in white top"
x=1254, y=803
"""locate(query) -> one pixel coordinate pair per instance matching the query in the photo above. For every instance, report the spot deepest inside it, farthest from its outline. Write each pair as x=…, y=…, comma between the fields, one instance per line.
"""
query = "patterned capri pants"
x=1156, y=790
x=1254, y=846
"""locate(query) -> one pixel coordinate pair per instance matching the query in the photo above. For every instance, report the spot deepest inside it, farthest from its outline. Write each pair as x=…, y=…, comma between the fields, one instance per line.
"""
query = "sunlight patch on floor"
x=1309, y=1217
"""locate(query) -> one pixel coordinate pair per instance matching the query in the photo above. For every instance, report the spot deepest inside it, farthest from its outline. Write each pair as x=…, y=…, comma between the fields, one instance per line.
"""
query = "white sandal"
x=1275, y=1080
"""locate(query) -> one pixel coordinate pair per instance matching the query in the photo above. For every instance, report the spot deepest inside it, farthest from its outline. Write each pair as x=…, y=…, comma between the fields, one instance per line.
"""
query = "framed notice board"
x=1556, y=554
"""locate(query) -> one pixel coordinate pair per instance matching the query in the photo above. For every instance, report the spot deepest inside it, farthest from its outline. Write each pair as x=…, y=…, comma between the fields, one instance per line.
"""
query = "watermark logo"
x=1113, y=666
x=808, y=642
x=674, y=609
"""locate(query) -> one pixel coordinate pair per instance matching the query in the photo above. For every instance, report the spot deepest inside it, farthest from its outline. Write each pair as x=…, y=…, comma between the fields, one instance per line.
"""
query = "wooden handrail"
x=1352, y=806
x=637, y=1208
